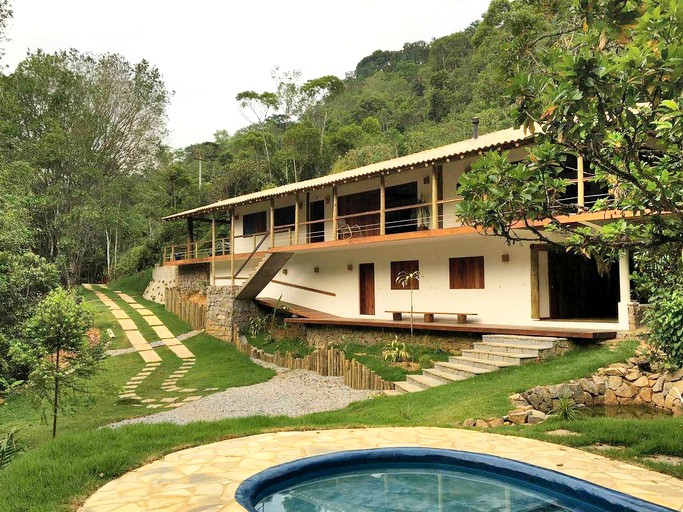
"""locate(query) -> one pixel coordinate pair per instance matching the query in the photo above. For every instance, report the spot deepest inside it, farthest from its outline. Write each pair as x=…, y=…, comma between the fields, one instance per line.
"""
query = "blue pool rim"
x=277, y=478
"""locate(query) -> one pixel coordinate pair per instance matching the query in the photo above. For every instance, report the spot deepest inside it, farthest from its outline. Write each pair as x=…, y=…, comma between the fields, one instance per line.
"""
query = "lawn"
x=134, y=284
x=59, y=475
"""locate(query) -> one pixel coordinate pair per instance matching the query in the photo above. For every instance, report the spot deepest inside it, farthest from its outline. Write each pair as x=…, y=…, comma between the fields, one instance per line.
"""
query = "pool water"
x=412, y=479
x=403, y=489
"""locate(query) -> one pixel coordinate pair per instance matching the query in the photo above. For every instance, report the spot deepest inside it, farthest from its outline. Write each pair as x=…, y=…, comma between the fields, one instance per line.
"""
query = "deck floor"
x=299, y=311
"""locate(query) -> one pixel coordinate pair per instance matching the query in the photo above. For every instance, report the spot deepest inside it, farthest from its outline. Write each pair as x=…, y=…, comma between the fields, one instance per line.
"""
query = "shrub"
x=257, y=324
x=566, y=409
x=665, y=320
x=396, y=352
x=9, y=448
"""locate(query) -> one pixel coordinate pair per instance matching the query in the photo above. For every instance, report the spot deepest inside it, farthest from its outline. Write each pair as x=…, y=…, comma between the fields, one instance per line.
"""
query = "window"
x=401, y=268
x=284, y=216
x=254, y=223
x=466, y=273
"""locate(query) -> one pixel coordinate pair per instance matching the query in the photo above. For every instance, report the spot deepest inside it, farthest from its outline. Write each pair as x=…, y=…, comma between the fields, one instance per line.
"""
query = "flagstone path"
x=205, y=478
x=148, y=354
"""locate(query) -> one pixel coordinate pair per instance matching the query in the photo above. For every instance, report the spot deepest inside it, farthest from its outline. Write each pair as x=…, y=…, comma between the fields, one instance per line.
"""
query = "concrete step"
x=404, y=387
x=515, y=349
x=444, y=377
x=463, y=370
x=484, y=364
x=505, y=357
x=424, y=381
x=531, y=341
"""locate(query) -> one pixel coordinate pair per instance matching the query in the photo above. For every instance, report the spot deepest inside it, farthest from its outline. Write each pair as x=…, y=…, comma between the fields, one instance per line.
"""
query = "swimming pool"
x=425, y=480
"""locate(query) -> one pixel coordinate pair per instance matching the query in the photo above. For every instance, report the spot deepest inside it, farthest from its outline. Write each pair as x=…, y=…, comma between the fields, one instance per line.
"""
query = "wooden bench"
x=460, y=318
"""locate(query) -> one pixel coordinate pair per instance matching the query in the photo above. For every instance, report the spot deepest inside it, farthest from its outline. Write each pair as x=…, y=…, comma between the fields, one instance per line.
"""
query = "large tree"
x=609, y=88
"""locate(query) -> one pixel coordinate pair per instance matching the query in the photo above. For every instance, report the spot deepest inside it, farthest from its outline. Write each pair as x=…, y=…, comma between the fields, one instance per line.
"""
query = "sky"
x=209, y=50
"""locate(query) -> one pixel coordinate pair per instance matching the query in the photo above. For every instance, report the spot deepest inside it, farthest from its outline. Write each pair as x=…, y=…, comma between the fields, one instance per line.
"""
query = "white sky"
x=209, y=50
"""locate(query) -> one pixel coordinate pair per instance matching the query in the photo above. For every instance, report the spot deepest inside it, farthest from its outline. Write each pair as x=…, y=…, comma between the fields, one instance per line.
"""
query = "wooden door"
x=366, y=272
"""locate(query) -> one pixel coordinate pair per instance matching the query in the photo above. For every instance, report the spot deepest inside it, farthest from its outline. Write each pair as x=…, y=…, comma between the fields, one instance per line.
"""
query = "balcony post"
x=435, y=198
x=272, y=223
x=164, y=256
x=581, y=199
x=232, y=247
x=335, y=220
x=213, y=250
x=296, y=219
x=190, y=237
x=382, y=206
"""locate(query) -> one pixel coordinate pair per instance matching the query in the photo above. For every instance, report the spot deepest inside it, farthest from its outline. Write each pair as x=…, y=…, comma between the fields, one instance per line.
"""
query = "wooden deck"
x=300, y=311
x=318, y=318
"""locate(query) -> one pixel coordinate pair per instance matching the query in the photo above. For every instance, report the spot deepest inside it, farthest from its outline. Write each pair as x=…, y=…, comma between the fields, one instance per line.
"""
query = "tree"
x=610, y=90
x=411, y=281
x=259, y=105
x=58, y=350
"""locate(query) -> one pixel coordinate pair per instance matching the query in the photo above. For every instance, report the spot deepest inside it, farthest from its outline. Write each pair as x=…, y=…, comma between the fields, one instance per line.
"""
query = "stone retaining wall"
x=224, y=312
x=163, y=277
x=636, y=315
x=193, y=278
x=322, y=335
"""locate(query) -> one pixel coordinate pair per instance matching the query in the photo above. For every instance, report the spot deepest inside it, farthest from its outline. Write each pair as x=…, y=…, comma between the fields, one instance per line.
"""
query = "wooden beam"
x=382, y=206
x=534, y=283
x=271, y=212
x=581, y=199
x=335, y=212
x=232, y=247
x=435, y=196
x=213, y=251
x=296, y=219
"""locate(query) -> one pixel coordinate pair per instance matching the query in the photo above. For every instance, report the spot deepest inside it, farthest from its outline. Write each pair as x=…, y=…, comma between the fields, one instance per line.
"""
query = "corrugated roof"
x=457, y=149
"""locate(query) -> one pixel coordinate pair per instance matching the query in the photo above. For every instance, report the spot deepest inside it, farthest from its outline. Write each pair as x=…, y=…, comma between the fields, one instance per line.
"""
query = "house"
x=332, y=248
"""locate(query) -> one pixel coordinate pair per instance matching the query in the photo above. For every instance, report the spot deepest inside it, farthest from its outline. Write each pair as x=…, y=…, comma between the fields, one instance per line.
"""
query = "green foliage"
x=396, y=352
x=57, y=350
x=665, y=319
x=134, y=284
x=566, y=409
x=9, y=448
x=257, y=325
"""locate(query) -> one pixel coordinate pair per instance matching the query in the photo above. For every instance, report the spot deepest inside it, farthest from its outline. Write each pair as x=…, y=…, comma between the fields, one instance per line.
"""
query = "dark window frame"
x=249, y=223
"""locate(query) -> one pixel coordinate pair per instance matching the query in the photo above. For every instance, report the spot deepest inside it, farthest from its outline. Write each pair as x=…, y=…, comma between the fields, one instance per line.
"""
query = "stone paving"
x=205, y=478
x=149, y=355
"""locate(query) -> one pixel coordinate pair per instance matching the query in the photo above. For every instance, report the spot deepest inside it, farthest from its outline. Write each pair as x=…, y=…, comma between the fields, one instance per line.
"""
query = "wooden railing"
x=188, y=311
x=330, y=362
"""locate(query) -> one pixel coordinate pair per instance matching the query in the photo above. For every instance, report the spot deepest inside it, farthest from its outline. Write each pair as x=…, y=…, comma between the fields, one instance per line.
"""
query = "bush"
x=665, y=320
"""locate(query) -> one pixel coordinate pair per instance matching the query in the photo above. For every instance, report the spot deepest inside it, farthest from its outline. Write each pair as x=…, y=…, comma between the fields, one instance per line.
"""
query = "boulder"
x=659, y=385
x=535, y=398
x=645, y=394
x=518, y=417
x=469, y=422
x=614, y=372
x=633, y=375
x=626, y=390
x=678, y=411
x=671, y=401
x=536, y=417
x=611, y=398
x=600, y=384
x=481, y=424
x=588, y=386
x=587, y=398
x=496, y=422
x=677, y=375
x=599, y=400
x=658, y=399
x=614, y=383
x=641, y=381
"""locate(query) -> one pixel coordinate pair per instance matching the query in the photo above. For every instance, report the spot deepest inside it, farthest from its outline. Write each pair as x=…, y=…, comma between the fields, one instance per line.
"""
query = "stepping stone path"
x=149, y=355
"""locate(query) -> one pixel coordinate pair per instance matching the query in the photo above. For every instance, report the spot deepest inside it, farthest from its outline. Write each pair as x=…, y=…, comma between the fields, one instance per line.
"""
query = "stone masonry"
x=322, y=335
x=224, y=311
x=193, y=278
x=163, y=277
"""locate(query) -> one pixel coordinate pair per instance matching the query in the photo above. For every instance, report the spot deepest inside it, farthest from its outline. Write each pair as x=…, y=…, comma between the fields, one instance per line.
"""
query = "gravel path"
x=289, y=393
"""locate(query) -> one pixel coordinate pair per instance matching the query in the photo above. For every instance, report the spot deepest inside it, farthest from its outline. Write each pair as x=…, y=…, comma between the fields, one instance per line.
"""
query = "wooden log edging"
x=188, y=311
x=328, y=362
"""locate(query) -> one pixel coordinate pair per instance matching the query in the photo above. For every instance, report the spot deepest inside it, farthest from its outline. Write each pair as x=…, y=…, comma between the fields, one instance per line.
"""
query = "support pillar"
x=296, y=220
x=335, y=209
x=212, y=277
x=580, y=185
x=624, y=288
x=232, y=247
x=271, y=221
x=435, y=197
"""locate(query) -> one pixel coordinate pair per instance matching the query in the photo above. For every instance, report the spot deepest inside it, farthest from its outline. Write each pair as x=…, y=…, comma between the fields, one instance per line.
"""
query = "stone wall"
x=163, y=277
x=224, y=311
x=193, y=278
x=628, y=383
x=636, y=315
x=323, y=335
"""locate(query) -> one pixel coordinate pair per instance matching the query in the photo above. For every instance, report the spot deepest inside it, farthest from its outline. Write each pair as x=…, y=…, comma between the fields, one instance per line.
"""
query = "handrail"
x=251, y=255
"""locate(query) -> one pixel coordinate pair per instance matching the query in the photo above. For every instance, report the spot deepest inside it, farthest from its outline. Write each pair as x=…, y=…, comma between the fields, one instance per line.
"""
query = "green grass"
x=133, y=284
x=371, y=356
x=271, y=345
x=105, y=320
x=60, y=474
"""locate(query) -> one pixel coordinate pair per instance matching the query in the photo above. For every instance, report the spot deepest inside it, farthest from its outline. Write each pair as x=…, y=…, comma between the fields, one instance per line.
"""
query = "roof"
x=457, y=149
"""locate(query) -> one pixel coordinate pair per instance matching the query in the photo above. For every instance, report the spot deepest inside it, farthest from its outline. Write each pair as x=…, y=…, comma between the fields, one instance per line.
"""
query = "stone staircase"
x=493, y=352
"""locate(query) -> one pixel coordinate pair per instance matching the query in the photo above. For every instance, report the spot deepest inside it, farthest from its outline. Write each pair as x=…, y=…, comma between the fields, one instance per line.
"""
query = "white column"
x=624, y=289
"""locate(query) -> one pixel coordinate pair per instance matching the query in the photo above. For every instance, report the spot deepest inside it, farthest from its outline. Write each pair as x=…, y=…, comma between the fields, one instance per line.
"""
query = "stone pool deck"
x=205, y=478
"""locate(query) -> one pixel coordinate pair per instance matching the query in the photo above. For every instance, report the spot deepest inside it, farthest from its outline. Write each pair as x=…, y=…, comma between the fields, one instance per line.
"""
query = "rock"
x=678, y=411
x=611, y=398
x=587, y=398
x=535, y=399
x=496, y=422
x=645, y=394
x=671, y=401
x=658, y=399
x=481, y=424
x=600, y=384
x=536, y=417
x=633, y=375
x=599, y=400
x=641, y=382
x=469, y=422
x=516, y=396
x=626, y=390
x=614, y=372
x=659, y=385
x=678, y=375
x=518, y=417
x=614, y=383
x=678, y=387
x=588, y=385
